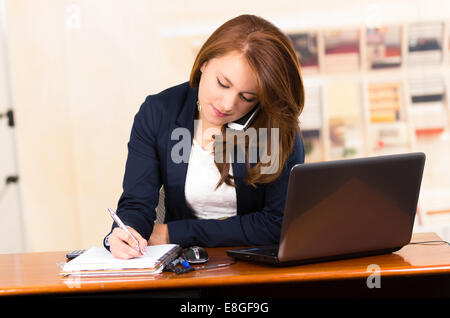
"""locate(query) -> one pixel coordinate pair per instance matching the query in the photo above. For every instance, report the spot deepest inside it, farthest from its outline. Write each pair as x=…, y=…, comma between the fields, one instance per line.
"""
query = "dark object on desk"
x=74, y=253
x=195, y=255
x=345, y=209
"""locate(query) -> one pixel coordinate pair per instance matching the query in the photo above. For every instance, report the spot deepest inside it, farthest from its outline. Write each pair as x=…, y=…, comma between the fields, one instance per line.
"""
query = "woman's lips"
x=219, y=114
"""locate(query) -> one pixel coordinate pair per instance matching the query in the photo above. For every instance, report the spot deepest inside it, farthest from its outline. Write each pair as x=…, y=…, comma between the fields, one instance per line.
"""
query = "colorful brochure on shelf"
x=383, y=47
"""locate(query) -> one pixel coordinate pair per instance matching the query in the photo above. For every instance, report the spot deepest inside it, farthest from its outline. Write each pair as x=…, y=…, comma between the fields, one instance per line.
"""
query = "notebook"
x=97, y=261
x=345, y=208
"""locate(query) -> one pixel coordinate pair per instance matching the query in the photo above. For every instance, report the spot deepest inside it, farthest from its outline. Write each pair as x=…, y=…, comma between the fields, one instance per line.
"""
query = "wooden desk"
x=413, y=270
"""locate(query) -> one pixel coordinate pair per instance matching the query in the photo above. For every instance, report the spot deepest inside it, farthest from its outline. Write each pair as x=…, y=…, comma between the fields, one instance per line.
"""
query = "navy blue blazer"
x=149, y=166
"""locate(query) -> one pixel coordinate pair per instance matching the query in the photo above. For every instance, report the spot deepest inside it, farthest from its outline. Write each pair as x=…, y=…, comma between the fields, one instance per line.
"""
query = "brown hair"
x=272, y=57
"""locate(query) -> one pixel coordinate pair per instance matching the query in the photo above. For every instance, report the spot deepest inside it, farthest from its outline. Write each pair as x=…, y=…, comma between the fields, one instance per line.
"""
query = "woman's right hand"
x=122, y=245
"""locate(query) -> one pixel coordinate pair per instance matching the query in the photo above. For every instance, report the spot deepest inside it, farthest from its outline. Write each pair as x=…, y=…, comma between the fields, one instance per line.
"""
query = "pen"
x=123, y=227
x=184, y=262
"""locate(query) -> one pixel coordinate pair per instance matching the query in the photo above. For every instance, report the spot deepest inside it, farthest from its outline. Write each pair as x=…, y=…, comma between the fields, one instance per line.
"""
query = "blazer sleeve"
x=142, y=180
x=255, y=228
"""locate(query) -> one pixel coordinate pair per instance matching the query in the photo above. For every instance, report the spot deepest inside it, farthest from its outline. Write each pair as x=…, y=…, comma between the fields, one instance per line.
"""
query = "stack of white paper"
x=97, y=261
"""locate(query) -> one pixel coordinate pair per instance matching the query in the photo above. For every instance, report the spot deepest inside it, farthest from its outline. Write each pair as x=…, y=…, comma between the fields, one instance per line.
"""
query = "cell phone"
x=244, y=122
x=74, y=253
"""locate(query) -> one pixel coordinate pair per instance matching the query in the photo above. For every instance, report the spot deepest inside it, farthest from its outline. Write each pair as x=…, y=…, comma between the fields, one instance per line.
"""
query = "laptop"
x=345, y=209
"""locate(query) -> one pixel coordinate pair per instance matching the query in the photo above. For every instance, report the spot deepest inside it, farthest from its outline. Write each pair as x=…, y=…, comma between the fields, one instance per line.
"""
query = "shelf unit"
x=394, y=131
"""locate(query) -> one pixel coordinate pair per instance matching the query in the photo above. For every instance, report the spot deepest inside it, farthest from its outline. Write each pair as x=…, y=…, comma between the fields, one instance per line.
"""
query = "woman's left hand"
x=160, y=235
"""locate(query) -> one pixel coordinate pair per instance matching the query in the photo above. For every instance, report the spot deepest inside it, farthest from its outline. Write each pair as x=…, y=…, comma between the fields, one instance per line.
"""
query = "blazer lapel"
x=239, y=172
x=179, y=148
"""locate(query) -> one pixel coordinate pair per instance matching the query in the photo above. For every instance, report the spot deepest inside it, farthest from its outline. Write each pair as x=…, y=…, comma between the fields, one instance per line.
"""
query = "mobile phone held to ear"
x=244, y=122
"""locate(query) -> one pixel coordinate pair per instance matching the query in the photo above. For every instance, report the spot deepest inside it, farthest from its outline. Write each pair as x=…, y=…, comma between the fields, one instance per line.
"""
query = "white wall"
x=80, y=70
x=12, y=235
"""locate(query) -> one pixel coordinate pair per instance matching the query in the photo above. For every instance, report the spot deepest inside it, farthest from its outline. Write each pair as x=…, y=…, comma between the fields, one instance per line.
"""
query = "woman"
x=246, y=64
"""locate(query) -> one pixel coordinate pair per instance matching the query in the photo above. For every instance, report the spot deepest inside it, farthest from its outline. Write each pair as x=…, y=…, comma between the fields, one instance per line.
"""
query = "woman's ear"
x=202, y=68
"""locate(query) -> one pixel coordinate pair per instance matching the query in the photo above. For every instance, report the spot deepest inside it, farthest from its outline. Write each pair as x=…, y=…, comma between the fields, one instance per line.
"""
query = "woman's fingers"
x=141, y=241
x=122, y=244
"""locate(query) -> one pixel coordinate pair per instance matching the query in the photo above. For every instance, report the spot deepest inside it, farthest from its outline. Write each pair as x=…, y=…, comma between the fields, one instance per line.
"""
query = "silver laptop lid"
x=350, y=206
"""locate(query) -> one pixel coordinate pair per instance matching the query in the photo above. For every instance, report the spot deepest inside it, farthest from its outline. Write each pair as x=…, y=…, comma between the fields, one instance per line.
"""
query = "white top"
x=201, y=180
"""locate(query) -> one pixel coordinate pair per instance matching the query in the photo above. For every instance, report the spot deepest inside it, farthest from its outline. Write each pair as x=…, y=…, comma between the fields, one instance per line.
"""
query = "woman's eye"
x=218, y=81
x=245, y=99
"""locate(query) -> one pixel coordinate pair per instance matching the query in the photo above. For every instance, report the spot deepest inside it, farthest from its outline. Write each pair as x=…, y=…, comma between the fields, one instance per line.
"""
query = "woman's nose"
x=228, y=103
